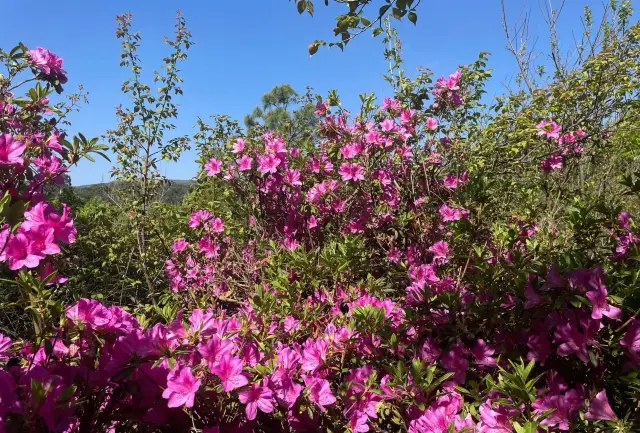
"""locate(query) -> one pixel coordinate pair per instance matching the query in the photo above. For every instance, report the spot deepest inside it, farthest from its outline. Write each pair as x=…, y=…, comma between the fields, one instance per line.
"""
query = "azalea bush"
x=426, y=265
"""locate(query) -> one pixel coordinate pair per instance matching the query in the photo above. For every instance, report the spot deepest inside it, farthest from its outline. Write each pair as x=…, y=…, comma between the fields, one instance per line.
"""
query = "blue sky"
x=244, y=48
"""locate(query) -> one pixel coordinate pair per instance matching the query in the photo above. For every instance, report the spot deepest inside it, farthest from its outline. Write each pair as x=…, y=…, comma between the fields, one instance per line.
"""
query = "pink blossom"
x=601, y=307
x=351, y=171
x=238, y=146
x=229, y=370
x=631, y=341
x=10, y=150
x=213, y=167
x=441, y=252
x=244, y=163
x=91, y=313
x=319, y=391
x=432, y=123
x=292, y=177
x=43, y=214
x=554, y=162
x=48, y=63
x=388, y=125
x=314, y=355
x=256, y=397
x=268, y=163
x=600, y=409
x=181, y=388
x=5, y=346
x=548, y=128
x=482, y=353
x=451, y=213
x=179, y=245
x=21, y=253
x=199, y=218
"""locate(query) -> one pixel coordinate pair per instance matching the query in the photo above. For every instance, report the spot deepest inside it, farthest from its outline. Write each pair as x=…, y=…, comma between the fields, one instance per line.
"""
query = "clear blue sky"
x=244, y=48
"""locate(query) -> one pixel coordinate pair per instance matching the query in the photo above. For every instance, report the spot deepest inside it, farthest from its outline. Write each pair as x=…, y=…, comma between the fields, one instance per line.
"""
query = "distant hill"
x=173, y=192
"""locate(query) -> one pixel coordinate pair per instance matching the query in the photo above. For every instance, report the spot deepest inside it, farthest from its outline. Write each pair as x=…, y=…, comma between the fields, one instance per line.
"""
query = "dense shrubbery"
x=426, y=265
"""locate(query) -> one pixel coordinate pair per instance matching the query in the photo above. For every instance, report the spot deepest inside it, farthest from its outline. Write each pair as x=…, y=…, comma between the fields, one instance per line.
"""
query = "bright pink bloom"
x=601, y=307
x=5, y=345
x=179, y=245
x=314, y=355
x=554, y=162
x=10, y=150
x=48, y=63
x=214, y=349
x=351, y=171
x=268, y=163
x=631, y=341
x=43, y=214
x=199, y=218
x=482, y=353
x=238, y=146
x=292, y=177
x=213, y=167
x=600, y=409
x=181, y=388
x=229, y=370
x=256, y=397
x=244, y=163
x=548, y=128
x=91, y=313
x=451, y=213
x=21, y=253
x=319, y=391
x=388, y=125
x=441, y=252
x=432, y=123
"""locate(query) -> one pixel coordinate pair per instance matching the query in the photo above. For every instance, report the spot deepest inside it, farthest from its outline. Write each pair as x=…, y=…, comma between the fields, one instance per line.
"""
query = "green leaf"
x=413, y=17
x=302, y=5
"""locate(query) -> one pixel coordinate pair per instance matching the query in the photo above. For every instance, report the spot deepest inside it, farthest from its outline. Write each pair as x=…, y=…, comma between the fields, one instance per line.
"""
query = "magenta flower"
x=314, y=354
x=600, y=305
x=5, y=345
x=43, y=214
x=451, y=213
x=21, y=253
x=388, y=125
x=319, y=391
x=238, y=146
x=351, y=171
x=455, y=362
x=432, y=123
x=600, y=409
x=441, y=252
x=482, y=353
x=48, y=63
x=89, y=312
x=244, y=163
x=292, y=177
x=179, y=245
x=229, y=370
x=256, y=397
x=268, y=163
x=10, y=150
x=181, y=388
x=548, y=128
x=213, y=167
x=631, y=341
x=554, y=162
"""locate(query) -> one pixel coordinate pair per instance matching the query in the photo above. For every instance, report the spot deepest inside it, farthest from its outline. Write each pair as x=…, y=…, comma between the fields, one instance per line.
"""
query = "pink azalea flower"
x=319, y=391
x=48, y=63
x=43, y=214
x=214, y=349
x=600, y=409
x=314, y=354
x=229, y=370
x=90, y=313
x=181, y=388
x=631, y=341
x=244, y=163
x=553, y=162
x=451, y=213
x=21, y=253
x=388, y=125
x=238, y=146
x=213, y=167
x=179, y=245
x=351, y=171
x=312, y=222
x=548, y=128
x=292, y=177
x=441, y=252
x=454, y=361
x=268, y=163
x=432, y=123
x=10, y=150
x=601, y=307
x=5, y=346
x=482, y=353
x=199, y=218
x=256, y=397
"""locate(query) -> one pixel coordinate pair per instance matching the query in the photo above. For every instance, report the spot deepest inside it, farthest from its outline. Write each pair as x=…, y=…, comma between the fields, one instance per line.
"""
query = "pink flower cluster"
x=565, y=143
x=48, y=64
